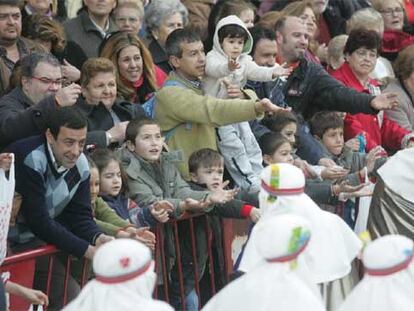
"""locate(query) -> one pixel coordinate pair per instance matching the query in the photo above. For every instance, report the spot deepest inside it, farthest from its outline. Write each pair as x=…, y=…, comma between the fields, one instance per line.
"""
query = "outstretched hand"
x=385, y=101
x=266, y=106
x=220, y=195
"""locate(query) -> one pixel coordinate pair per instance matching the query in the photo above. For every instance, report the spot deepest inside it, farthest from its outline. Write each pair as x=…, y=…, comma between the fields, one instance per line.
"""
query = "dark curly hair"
x=362, y=38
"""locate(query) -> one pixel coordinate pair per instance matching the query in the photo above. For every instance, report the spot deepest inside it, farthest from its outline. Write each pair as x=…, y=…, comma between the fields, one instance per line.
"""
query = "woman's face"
x=130, y=63
x=168, y=25
x=247, y=16
x=319, y=6
x=362, y=61
x=309, y=19
x=101, y=89
x=40, y=5
x=393, y=15
x=128, y=20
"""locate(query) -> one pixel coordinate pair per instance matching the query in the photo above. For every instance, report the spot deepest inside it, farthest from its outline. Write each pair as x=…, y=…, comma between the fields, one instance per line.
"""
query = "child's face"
x=333, y=140
x=233, y=47
x=247, y=16
x=94, y=184
x=110, y=179
x=282, y=155
x=289, y=132
x=148, y=143
x=212, y=177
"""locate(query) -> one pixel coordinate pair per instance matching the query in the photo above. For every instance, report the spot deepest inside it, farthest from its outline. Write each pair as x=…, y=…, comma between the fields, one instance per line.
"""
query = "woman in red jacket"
x=361, y=52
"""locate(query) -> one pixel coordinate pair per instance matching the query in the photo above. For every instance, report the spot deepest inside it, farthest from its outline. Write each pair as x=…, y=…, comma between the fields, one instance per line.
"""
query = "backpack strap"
x=188, y=125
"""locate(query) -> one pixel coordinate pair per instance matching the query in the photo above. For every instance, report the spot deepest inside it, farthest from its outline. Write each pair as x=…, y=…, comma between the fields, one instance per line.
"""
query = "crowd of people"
x=118, y=117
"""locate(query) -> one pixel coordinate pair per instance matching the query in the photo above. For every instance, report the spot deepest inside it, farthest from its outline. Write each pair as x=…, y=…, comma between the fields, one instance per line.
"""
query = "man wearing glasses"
x=24, y=110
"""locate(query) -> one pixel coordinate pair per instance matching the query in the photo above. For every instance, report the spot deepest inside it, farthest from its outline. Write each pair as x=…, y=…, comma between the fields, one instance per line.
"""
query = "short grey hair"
x=367, y=18
x=158, y=10
x=29, y=63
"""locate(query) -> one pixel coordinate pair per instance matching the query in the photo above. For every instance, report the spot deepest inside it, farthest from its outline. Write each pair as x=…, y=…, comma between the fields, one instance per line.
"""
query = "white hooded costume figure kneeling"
x=125, y=280
x=333, y=246
x=276, y=284
x=388, y=284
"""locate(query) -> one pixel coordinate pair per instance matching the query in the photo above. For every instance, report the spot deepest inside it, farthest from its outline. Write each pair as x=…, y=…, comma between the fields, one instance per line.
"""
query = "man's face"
x=192, y=63
x=100, y=8
x=10, y=23
x=293, y=40
x=46, y=80
x=265, y=53
x=67, y=146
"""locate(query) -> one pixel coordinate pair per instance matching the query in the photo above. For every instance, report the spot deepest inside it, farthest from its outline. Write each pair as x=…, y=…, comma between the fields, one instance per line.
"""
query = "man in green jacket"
x=188, y=116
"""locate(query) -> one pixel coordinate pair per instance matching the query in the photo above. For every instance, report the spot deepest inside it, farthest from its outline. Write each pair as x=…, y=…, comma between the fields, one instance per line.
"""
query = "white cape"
x=271, y=286
x=333, y=245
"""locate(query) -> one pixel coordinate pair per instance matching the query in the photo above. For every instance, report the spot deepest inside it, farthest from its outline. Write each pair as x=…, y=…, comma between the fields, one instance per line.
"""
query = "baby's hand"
x=281, y=71
x=233, y=64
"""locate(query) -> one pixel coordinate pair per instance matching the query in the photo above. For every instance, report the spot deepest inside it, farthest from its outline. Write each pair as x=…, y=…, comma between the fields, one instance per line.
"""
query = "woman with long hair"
x=136, y=75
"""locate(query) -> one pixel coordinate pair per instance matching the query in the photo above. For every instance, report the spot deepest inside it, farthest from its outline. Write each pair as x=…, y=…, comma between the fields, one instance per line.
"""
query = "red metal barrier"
x=22, y=265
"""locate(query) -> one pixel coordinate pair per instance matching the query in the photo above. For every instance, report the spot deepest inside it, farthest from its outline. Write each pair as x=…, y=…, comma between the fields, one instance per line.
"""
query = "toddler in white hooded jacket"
x=229, y=62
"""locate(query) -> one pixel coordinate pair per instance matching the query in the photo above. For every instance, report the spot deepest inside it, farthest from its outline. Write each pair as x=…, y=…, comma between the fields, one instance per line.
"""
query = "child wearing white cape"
x=388, y=284
x=275, y=284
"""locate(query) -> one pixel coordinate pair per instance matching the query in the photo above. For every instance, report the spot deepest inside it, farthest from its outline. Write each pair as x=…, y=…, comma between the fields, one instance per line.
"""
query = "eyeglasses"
x=390, y=12
x=366, y=53
x=48, y=81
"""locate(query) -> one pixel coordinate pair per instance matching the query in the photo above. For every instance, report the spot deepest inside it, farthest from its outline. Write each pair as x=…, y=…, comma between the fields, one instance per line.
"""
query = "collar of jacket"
x=119, y=106
x=52, y=164
x=18, y=93
x=87, y=24
x=157, y=52
x=348, y=78
x=195, y=85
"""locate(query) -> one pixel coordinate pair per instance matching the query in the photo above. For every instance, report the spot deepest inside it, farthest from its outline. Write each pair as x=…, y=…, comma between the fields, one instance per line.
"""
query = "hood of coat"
x=232, y=20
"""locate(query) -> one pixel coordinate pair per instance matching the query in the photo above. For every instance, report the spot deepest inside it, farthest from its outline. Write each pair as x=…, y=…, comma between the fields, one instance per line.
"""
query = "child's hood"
x=232, y=20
